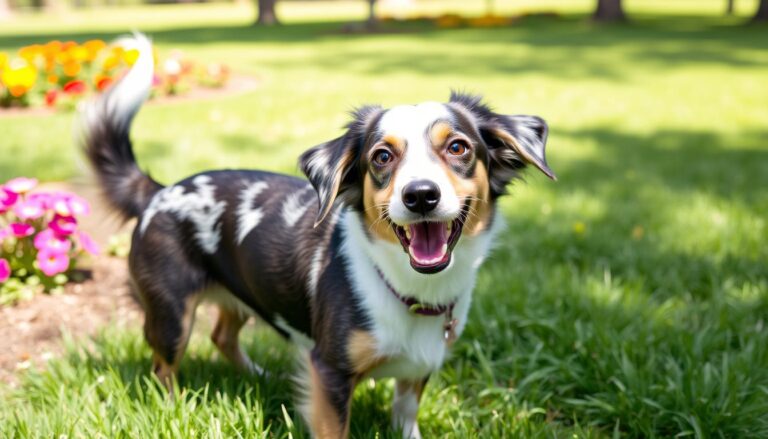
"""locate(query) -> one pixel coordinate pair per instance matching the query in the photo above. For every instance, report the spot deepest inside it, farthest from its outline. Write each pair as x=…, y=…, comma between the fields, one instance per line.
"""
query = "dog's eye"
x=457, y=148
x=382, y=157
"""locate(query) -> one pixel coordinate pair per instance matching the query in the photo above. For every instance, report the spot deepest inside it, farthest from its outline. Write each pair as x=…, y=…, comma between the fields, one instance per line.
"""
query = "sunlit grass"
x=628, y=298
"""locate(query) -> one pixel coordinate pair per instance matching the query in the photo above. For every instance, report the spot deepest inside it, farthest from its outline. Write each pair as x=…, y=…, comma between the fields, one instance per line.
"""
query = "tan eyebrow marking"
x=439, y=133
x=397, y=143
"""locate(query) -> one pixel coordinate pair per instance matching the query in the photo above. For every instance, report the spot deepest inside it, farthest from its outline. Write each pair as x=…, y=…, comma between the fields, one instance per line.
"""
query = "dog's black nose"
x=421, y=196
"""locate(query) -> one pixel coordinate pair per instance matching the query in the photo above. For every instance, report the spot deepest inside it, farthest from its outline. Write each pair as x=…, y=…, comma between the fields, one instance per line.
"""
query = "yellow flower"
x=3, y=60
x=579, y=228
x=130, y=56
x=110, y=62
x=638, y=232
x=19, y=77
x=79, y=53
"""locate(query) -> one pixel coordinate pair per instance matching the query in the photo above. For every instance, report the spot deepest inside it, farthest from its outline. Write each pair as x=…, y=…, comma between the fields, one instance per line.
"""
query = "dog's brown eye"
x=457, y=148
x=382, y=157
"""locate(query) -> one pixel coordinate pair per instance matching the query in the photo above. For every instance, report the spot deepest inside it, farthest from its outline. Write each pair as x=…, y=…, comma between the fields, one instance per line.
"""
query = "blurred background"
x=627, y=299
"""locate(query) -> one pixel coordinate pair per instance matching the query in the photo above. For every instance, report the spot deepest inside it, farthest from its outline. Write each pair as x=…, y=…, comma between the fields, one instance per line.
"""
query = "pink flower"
x=5, y=270
x=29, y=209
x=21, y=230
x=42, y=198
x=50, y=241
x=7, y=199
x=78, y=205
x=87, y=243
x=4, y=233
x=52, y=263
x=21, y=185
x=70, y=205
x=63, y=225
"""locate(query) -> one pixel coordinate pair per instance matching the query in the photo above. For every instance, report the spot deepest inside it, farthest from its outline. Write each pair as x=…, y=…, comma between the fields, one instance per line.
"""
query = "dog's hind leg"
x=225, y=337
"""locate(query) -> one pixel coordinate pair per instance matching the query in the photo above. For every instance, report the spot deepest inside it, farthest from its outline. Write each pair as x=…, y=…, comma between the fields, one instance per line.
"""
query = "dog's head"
x=423, y=175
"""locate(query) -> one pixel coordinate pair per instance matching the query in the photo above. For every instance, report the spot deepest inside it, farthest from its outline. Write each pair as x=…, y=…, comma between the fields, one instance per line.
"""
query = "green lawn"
x=630, y=298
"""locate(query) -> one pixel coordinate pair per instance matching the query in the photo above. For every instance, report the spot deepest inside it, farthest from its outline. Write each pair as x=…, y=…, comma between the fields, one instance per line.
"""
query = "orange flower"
x=94, y=47
x=19, y=77
x=72, y=68
x=51, y=49
x=53, y=79
x=29, y=53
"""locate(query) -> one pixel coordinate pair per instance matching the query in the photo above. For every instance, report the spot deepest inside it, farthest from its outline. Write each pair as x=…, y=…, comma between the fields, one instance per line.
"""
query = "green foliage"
x=626, y=300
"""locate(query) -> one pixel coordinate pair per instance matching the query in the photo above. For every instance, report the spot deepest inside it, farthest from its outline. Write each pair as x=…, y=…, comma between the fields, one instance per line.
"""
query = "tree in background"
x=266, y=12
x=609, y=10
x=762, y=12
x=372, y=14
x=729, y=7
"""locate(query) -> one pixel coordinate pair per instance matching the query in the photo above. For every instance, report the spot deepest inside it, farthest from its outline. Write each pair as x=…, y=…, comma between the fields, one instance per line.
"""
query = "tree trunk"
x=267, y=14
x=371, y=14
x=762, y=12
x=609, y=10
x=729, y=7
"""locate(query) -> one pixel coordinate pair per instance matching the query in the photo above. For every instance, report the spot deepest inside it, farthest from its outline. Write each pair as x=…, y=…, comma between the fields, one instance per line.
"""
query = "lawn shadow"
x=551, y=45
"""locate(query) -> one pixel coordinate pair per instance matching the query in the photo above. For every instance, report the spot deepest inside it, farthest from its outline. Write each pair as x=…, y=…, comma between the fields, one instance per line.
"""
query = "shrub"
x=40, y=241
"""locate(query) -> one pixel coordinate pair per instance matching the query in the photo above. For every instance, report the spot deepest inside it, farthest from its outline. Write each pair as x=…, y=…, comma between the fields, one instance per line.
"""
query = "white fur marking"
x=412, y=123
x=294, y=208
x=247, y=216
x=200, y=207
x=414, y=342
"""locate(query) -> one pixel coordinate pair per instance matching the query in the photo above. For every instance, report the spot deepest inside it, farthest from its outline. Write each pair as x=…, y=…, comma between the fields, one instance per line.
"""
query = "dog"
x=369, y=265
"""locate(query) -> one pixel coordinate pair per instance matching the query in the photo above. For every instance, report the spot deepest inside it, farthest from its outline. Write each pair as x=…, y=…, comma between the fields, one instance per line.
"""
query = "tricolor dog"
x=369, y=264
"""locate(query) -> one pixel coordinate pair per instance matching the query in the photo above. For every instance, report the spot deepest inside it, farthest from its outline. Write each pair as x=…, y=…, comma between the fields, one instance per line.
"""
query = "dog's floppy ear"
x=330, y=167
x=513, y=141
x=325, y=166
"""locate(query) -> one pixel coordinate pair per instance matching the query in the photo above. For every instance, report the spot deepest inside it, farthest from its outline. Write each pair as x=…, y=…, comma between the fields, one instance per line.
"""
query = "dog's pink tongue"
x=428, y=242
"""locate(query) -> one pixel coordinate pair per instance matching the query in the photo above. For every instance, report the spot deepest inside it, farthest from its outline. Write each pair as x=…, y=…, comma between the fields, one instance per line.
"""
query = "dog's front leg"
x=330, y=392
x=405, y=406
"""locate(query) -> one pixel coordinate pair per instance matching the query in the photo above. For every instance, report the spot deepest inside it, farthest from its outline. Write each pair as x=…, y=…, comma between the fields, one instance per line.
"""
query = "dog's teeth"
x=407, y=232
x=445, y=249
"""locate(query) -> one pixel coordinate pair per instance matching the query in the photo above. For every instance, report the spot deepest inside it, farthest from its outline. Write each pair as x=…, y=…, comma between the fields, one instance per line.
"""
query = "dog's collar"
x=414, y=306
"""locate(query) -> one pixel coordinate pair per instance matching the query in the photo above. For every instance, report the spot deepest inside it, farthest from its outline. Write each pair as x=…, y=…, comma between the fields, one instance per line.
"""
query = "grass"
x=626, y=300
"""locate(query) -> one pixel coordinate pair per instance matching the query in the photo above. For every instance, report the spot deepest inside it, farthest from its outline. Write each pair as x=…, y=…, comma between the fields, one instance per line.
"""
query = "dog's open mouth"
x=429, y=244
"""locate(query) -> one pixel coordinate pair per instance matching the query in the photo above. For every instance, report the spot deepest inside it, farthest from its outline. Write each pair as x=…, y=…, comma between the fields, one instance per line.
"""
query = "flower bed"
x=40, y=242
x=59, y=74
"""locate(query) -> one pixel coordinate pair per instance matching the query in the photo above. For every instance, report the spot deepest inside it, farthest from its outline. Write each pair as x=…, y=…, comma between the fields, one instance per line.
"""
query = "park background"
x=627, y=299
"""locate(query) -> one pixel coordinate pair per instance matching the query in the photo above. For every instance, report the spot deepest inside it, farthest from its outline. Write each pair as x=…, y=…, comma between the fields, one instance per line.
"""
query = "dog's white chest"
x=414, y=346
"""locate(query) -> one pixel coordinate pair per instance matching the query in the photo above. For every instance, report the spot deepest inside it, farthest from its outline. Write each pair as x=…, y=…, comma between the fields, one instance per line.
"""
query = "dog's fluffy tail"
x=106, y=141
